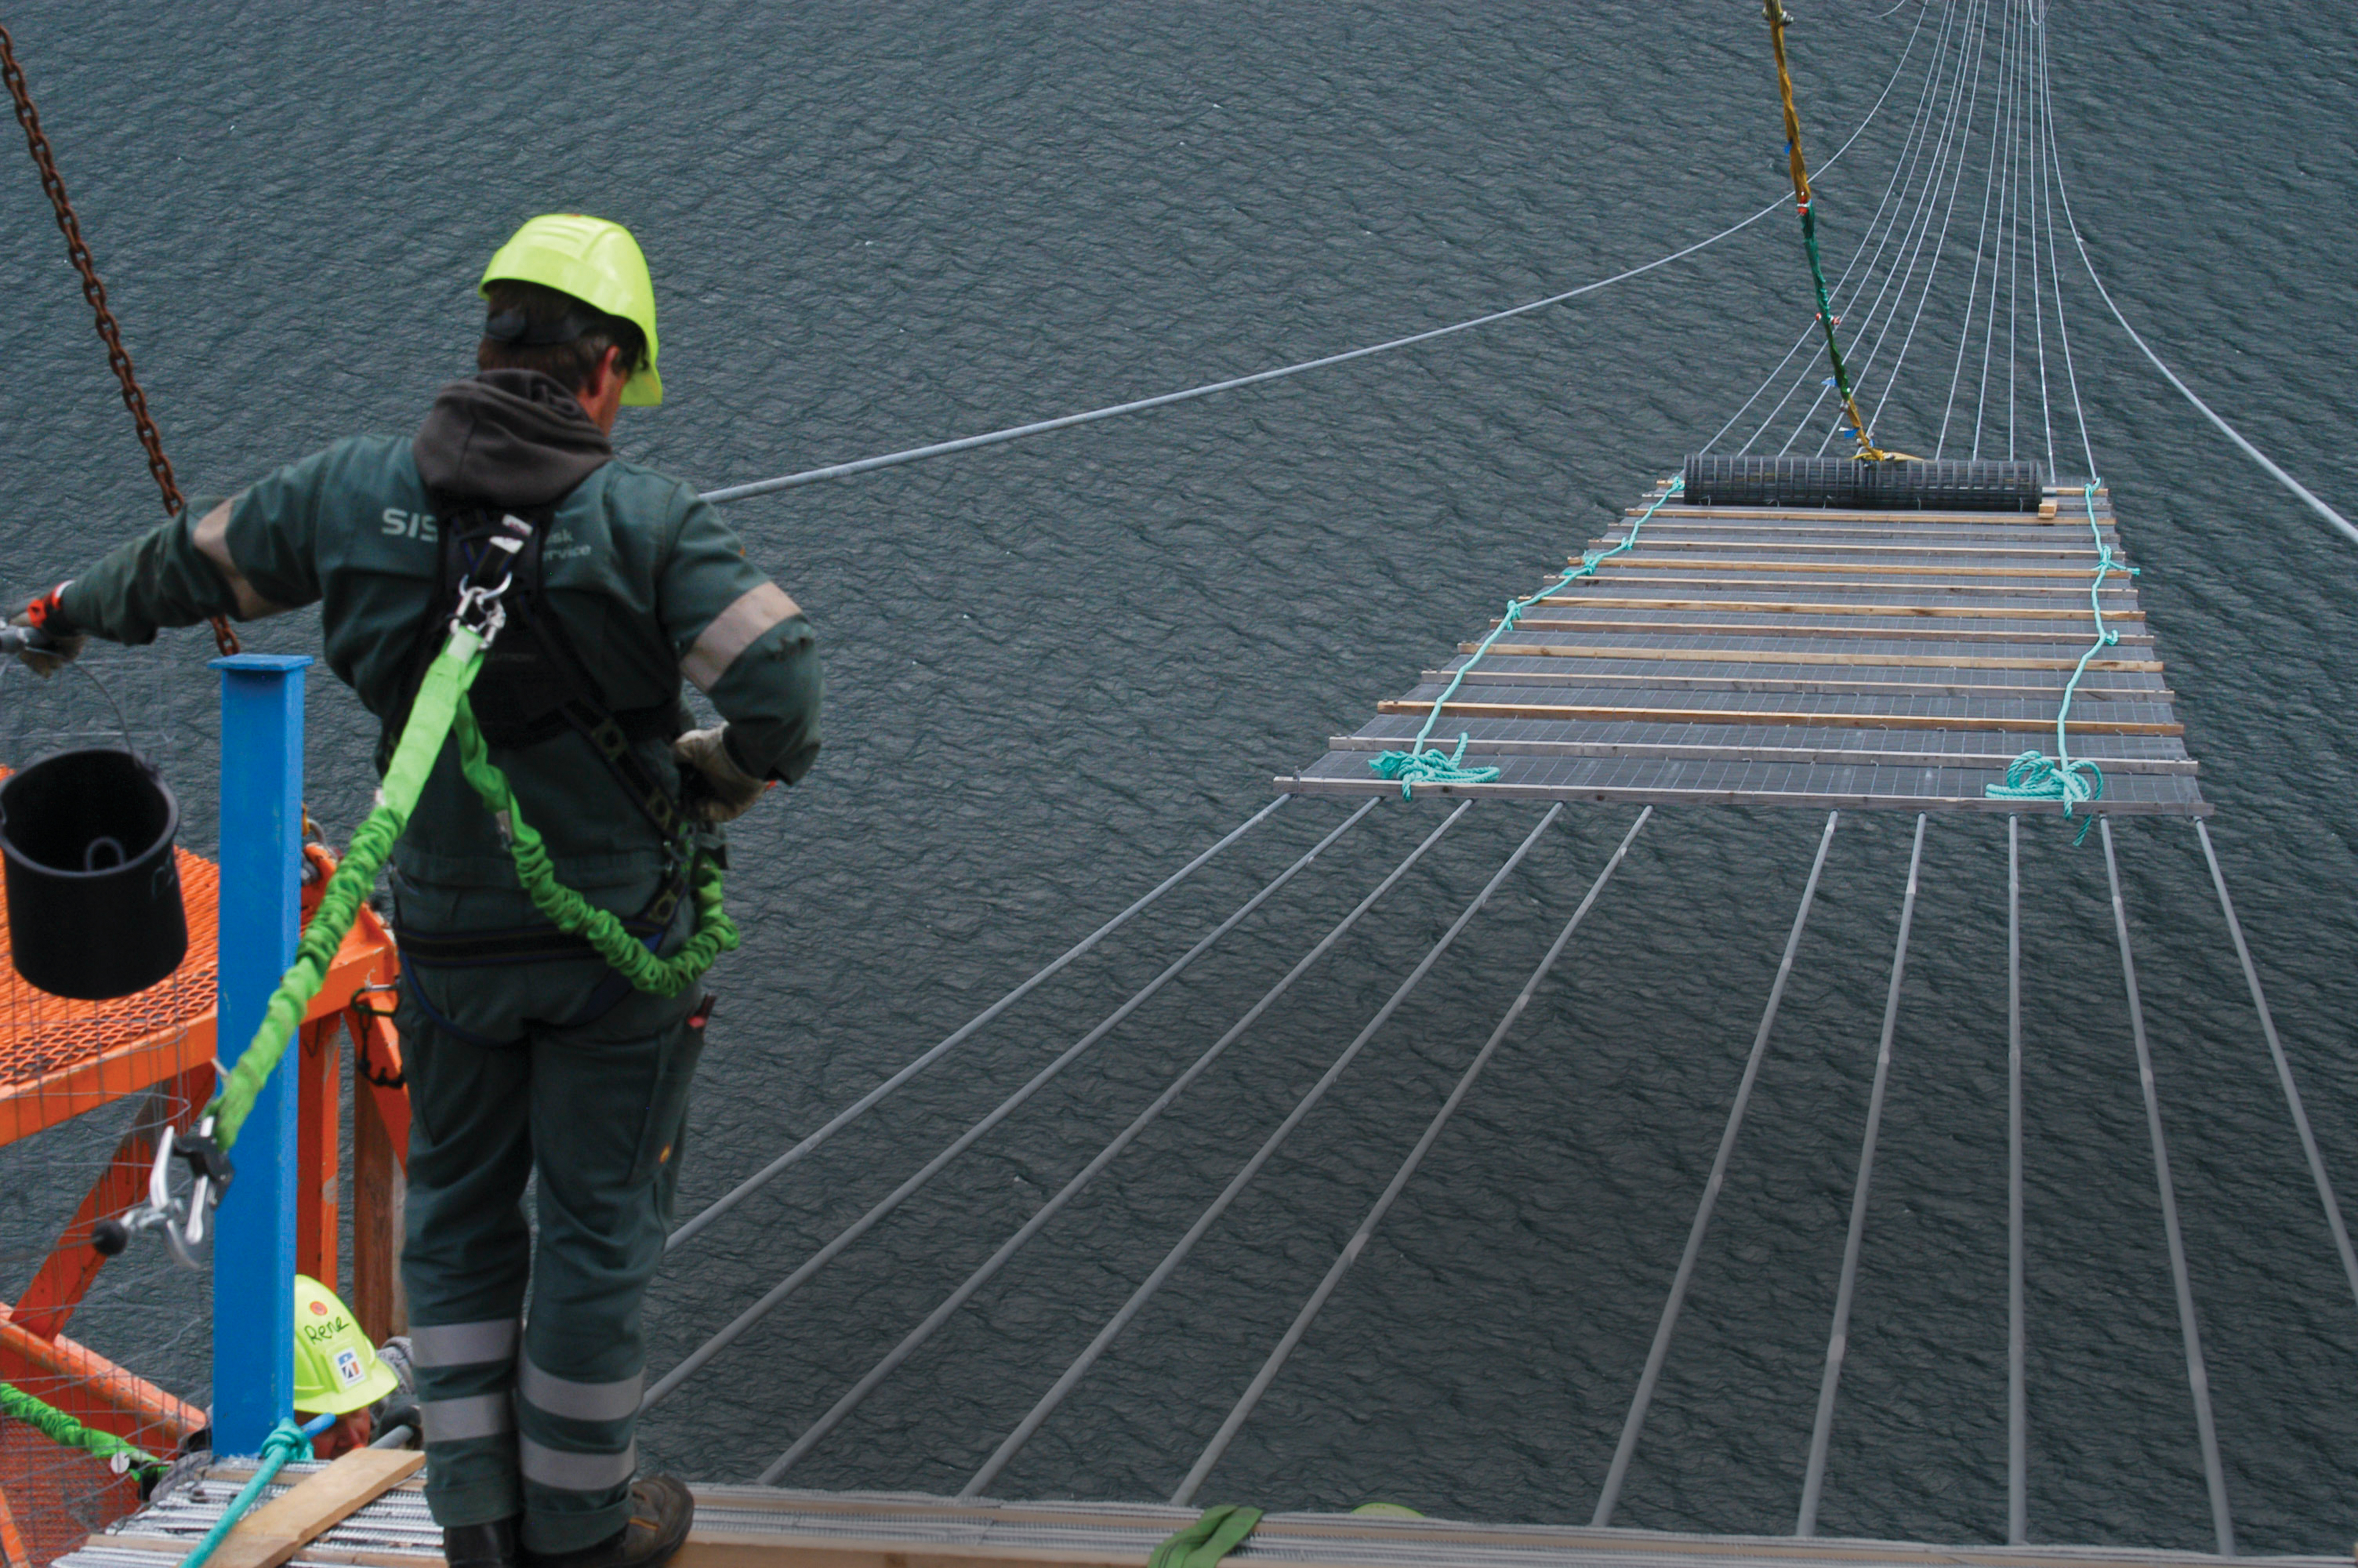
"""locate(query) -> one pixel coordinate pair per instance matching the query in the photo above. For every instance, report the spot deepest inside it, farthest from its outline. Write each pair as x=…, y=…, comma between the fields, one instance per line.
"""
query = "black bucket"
x=95, y=908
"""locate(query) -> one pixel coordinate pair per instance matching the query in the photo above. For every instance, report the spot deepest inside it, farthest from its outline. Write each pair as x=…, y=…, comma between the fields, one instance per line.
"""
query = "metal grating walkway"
x=1771, y=656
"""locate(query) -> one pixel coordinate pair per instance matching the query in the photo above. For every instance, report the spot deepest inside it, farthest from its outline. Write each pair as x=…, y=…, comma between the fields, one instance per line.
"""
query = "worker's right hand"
x=717, y=789
x=58, y=643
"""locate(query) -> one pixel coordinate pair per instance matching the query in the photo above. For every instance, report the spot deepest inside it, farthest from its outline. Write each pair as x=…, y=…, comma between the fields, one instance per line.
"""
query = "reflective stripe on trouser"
x=544, y=1431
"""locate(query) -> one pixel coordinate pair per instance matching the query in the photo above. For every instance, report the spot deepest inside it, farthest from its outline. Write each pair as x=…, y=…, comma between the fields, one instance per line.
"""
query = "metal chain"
x=78, y=252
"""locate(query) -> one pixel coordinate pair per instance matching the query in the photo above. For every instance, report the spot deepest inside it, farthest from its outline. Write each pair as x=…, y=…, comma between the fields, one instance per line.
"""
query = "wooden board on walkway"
x=1768, y=657
x=759, y=1527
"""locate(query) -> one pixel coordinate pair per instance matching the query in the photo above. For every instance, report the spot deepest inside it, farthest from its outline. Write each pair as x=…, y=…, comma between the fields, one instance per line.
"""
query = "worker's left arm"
x=746, y=645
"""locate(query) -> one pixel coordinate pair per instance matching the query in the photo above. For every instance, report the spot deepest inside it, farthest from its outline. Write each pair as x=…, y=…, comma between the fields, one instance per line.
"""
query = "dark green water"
x=1059, y=670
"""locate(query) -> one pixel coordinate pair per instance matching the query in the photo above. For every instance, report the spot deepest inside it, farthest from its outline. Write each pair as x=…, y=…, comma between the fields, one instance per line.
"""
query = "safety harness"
x=532, y=687
x=440, y=711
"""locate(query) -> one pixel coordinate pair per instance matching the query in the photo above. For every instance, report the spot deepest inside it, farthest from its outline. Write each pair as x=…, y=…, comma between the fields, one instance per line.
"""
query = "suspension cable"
x=2249, y=450
x=1042, y=426
x=866, y=1102
x=1610, y=1497
x=819, y=1260
x=1015, y=1440
x=1866, y=237
x=2197, y=1377
x=2284, y=1067
x=1838, y=1341
x=917, y=1337
x=1358, y=1243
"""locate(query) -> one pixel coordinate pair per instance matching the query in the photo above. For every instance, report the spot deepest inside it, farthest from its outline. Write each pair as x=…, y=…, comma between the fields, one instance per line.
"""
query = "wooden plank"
x=1851, y=568
x=1786, y=607
x=1731, y=656
x=272, y=1534
x=1851, y=546
x=1681, y=752
x=1805, y=514
x=1818, y=799
x=2062, y=590
x=1657, y=681
x=2028, y=725
x=1789, y=629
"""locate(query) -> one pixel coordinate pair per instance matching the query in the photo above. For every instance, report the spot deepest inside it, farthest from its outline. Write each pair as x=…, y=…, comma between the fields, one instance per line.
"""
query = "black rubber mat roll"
x=1947, y=486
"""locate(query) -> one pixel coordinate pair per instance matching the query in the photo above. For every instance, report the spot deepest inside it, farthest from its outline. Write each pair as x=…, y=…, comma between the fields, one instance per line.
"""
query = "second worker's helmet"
x=597, y=263
x=336, y=1369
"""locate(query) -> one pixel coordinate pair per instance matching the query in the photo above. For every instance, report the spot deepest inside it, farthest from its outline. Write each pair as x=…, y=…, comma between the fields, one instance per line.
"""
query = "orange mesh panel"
x=60, y=1057
x=40, y=1033
x=59, y=1496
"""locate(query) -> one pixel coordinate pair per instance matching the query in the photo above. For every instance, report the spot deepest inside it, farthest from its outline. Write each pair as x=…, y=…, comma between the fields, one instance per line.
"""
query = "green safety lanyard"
x=440, y=710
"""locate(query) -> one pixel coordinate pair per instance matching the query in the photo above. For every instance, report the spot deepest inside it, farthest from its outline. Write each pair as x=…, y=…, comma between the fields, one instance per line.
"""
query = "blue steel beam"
x=261, y=847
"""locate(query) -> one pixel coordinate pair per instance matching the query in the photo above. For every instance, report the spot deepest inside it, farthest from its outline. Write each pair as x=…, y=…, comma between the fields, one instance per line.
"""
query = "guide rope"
x=287, y=1441
x=1416, y=765
x=2074, y=781
x=78, y=252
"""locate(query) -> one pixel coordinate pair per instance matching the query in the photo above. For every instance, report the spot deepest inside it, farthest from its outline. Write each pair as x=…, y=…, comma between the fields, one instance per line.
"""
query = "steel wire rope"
x=2197, y=1377
x=917, y=1337
x=2038, y=306
x=1915, y=247
x=1876, y=232
x=1046, y=1406
x=1064, y=422
x=1981, y=237
x=1920, y=228
x=1610, y=1497
x=2071, y=223
x=860, y=1106
x=1997, y=239
x=1915, y=159
x=1401, y=1178
x=1948, y=214
x=2013, y=257
x=1865, y=236
x=884, y=1206
x=2054, y=264
x=1838, y=1339
x=2018, y=1335
x=2283, y=1065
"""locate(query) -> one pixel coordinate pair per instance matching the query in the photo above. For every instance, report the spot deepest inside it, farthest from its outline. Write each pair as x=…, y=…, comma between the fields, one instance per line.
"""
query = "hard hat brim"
x=379, y=1383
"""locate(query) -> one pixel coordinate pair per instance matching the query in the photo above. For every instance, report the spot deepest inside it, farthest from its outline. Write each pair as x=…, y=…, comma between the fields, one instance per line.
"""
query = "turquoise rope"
x=1416, y=765
x=2034, y=775
x=287, y=1441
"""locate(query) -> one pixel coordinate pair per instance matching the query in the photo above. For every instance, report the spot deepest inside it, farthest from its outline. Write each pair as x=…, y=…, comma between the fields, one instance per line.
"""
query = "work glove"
x=60, y=645
x=715, y=788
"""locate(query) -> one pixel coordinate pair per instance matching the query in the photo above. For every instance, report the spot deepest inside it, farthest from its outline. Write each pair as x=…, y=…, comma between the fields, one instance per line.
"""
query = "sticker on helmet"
x=348, y=1366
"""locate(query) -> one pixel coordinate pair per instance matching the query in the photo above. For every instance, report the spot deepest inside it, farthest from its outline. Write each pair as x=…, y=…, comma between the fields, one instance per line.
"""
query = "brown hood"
x=514, y=438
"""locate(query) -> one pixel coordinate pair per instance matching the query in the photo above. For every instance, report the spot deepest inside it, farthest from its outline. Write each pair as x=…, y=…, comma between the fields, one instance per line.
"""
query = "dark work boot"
x=491, y=1545
x=661, y=1511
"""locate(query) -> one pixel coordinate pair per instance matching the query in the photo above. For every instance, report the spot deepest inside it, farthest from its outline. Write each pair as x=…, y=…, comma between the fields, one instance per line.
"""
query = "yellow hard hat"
x=336, y=1369
x=597, y=263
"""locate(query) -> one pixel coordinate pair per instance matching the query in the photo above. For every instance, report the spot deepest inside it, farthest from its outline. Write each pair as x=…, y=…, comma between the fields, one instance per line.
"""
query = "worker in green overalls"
x=524, y=1052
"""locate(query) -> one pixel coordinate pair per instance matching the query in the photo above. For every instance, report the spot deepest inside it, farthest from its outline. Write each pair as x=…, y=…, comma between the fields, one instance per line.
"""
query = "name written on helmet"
x=400, y=524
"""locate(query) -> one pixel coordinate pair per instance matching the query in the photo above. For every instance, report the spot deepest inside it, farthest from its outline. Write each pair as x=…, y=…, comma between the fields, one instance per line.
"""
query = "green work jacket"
x=646, y=580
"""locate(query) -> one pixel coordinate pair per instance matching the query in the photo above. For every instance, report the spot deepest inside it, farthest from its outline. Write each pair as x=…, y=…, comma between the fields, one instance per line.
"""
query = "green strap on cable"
x=1202, y=1544
x=2074, y=781
x=1416, y=765
x=65, y=1430
x=440, y=708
